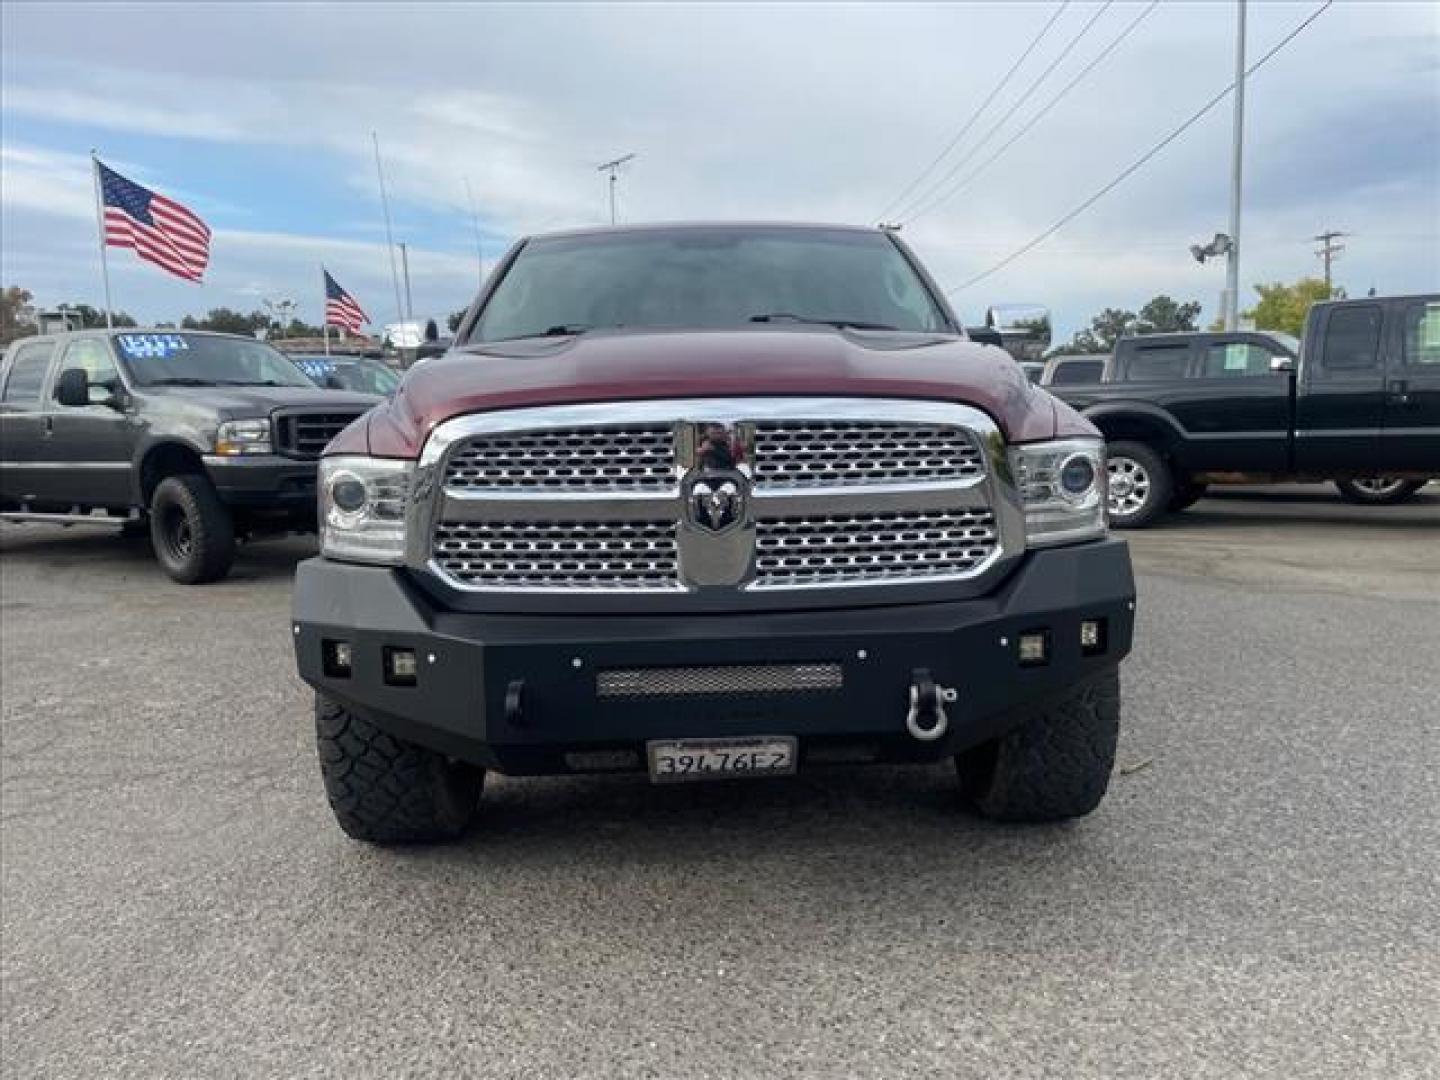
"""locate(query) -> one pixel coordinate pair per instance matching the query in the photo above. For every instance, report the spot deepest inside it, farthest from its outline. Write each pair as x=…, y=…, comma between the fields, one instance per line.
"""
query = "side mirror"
x=73, y=389
x=1281, y=364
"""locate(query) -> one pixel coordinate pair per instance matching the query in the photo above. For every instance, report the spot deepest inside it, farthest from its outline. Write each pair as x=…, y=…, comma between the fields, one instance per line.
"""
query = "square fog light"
x=336, y=658
x=400, y=666
x=1092, y=636
x=1034, y=647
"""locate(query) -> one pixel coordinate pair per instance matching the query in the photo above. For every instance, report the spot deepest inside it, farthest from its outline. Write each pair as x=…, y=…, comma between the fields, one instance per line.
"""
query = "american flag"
x=341, y=309
x=157, y=229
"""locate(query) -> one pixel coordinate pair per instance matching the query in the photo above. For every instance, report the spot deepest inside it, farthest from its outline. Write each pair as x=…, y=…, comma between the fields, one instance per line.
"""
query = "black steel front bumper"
x=548, y=665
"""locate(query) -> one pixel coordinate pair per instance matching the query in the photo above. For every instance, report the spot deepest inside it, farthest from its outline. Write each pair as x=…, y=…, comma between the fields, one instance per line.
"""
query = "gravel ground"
x=1258, y=896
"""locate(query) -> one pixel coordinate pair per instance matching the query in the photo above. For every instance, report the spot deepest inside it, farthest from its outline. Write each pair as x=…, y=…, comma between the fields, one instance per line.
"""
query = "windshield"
x=166, y=359
x=700, y=278
x=363, y=376
x=1291, y=343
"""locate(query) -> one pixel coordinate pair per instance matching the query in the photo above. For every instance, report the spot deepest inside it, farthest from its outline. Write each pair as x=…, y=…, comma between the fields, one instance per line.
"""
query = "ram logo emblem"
x=716, y=502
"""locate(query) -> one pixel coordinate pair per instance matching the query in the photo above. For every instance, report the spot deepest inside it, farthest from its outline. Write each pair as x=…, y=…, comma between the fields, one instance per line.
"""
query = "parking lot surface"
x=1257, y=896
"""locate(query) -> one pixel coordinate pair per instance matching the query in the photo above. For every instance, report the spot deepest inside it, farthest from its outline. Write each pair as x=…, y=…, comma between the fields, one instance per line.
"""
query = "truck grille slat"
x=886, y=546
x=559, y=555
x=305, y=435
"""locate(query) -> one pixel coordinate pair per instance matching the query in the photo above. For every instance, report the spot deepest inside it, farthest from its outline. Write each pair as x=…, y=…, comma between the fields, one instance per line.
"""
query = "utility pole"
x=1328, y=252
x=613, y=168
x=1237, y=148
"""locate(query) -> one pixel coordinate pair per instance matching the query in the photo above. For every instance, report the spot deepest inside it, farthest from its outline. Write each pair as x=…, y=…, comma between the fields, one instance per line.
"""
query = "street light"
x=613, y=168
x=1220, y=245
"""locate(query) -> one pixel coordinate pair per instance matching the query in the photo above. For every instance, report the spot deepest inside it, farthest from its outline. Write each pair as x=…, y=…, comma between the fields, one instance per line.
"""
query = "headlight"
x=362, y=508
x=236, y=437
x=1062, y=486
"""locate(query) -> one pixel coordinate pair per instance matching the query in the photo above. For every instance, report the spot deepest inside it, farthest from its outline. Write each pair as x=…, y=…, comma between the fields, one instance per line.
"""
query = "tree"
x=455, y=317
x=17, y=316
x=1284, y=307
x=1160, y=315
x=227, y=321
x=90, y=317
x=1163, y=315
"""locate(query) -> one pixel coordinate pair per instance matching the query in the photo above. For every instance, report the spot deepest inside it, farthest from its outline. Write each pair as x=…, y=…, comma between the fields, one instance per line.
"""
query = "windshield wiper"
x=253, y=382
x=559, y=330
x=181, y=380
x=843, y=324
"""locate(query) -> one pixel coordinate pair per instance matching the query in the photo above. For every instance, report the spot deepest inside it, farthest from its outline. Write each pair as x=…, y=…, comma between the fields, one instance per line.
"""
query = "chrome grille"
x=811, y=453
x=305, y=435
x=576, y=459
x=727, y=679
x=889, y=546
x=632, y=555
x=715, y=504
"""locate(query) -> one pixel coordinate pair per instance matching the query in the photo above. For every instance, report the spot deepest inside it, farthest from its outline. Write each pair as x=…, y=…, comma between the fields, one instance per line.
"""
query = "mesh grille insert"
x=811, y=453
x=578, y=459
x=730, y=679
x=883, y=546
x=633, y=555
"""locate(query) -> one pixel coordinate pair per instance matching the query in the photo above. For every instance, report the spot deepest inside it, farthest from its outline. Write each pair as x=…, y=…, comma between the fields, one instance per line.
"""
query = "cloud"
x=784, y=111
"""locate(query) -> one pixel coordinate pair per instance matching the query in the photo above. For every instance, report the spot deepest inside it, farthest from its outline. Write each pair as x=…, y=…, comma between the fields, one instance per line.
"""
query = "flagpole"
x=479, y=246
x=325, y=311
x=100, y=230
x=389, y=235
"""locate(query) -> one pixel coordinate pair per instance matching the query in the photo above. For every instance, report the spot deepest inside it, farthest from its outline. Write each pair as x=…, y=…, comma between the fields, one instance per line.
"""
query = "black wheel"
x=387, y=790
x=1186, y=495
x=1140, y=484
x=1055, y=763
x=1378, y=490
x=191, y=530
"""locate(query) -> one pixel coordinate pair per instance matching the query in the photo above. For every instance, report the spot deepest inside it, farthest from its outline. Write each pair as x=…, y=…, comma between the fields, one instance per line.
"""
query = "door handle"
x=49, y=426
x=1400, y=391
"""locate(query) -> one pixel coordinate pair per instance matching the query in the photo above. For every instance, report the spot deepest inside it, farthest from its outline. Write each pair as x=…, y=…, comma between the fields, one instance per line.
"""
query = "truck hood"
x=636, y=365
x=233, y=402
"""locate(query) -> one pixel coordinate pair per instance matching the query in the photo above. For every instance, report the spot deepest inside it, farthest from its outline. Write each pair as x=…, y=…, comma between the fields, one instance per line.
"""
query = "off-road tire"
x=1159, y=485
x=389, y=791
x=1401, y=491
x=1055, y=763
x=191, y=530
x=1186, y=495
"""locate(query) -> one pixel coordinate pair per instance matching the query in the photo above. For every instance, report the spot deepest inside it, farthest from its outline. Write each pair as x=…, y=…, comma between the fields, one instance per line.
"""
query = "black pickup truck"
x=1358, y=403
x=198, y=439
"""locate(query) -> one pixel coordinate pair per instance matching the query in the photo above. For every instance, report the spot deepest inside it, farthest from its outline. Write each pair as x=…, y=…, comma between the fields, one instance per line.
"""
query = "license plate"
x=720, y=759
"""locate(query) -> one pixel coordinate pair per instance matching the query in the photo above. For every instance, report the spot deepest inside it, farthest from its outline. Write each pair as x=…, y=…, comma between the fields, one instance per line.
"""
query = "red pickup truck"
x=712, y=501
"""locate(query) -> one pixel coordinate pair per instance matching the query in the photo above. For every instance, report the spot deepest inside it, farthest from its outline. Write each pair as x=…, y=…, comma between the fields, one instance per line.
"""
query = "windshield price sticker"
x=152, y=346
x=316, y=369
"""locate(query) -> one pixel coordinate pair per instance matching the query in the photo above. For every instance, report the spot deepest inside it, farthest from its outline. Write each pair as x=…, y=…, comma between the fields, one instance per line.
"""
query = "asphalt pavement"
x=1258, y=896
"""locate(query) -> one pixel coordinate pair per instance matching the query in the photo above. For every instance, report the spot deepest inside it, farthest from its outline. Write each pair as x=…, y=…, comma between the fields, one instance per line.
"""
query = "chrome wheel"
x=1379, y=485
x=1129, y=486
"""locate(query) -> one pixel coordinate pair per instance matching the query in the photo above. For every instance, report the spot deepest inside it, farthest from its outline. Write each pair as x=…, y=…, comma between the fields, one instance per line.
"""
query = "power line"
x=1014, y=107
x=1128, y=172
x=967, y=180
x=900, y=199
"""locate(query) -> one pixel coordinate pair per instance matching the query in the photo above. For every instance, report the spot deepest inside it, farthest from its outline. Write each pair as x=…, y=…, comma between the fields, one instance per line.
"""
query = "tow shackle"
x=927, y=720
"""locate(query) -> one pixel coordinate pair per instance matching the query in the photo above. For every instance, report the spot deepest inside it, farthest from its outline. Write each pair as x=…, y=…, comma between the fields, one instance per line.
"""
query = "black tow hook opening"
x=927, y=720
x=515, y=703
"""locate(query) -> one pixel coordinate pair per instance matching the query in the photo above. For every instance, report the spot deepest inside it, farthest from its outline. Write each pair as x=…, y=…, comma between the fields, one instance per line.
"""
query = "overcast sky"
x=259, y=117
